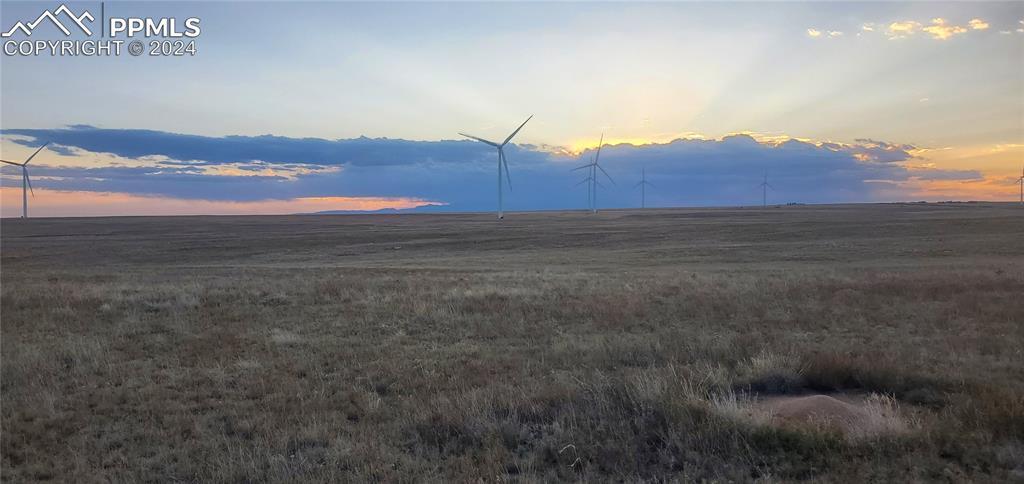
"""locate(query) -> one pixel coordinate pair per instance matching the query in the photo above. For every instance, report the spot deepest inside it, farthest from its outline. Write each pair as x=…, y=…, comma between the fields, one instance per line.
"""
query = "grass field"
x=631, y=345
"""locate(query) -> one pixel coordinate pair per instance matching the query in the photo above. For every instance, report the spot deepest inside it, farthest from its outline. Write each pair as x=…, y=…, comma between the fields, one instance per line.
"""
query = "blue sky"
x=836, y=102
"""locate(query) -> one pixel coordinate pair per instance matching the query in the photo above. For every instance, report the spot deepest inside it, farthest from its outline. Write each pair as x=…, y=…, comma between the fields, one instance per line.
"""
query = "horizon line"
x=399, y=212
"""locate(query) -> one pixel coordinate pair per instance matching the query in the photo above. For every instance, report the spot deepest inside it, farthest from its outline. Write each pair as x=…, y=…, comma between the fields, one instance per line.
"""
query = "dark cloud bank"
x=462, y=173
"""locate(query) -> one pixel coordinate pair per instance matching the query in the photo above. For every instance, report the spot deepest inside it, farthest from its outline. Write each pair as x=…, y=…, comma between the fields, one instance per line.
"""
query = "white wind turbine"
x=501, y=162
x=592, y=176
x=26, y=184
x=764, y=190
x=643, y=187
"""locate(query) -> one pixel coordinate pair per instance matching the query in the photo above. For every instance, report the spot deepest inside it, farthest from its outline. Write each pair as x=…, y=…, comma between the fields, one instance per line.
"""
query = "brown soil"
x=850, y=414
x=816, y=409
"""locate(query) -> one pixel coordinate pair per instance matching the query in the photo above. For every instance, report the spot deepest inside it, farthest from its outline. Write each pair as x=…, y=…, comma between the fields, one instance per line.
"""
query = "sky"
x=309, y=107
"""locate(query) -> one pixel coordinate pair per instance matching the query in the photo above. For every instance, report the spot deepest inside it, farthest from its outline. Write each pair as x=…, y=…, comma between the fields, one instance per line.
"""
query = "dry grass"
x=554, y=347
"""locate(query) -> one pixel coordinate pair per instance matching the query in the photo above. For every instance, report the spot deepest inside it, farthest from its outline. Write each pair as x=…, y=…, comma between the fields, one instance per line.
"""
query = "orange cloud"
x=580, y=145
x=941, y=29
x=978, y=24
x=57, y=203
x=999, y=165
x=988, y=188
x=1003, y=159
x=899, y=30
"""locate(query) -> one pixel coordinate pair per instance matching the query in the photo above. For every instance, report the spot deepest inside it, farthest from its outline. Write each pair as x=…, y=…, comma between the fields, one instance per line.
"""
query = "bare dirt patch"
x=856, y=416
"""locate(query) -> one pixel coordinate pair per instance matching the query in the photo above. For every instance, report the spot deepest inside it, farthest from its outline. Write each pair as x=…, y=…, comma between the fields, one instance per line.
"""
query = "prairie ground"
x=623, y=346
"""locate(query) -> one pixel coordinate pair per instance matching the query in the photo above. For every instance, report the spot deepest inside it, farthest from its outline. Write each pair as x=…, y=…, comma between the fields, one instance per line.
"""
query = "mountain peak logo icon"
x=27, y=28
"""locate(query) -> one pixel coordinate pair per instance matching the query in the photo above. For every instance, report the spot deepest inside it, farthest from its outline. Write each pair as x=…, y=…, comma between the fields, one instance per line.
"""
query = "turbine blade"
x=650, y=184
x=29, y=182
x=585, y=180
x=588, y=165
x=637, y=185
x=480, y=139
x=508, y=178
x=605, y=173
x=599, y=145
x=10, y=163
x=36, y=153
x=516, y=131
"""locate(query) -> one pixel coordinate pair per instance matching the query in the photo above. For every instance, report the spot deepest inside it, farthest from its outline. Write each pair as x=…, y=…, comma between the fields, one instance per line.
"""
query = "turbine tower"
x=502, y=162
x=593, y=166
x=764, y=191
x=26, y=184
x=643, y=187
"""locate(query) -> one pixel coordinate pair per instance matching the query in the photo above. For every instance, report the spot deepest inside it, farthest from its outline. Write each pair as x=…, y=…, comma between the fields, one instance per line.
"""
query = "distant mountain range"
x=423, y=209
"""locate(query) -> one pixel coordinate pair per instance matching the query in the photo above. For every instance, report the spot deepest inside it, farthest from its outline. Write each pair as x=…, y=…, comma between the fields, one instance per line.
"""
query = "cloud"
x=902, y=29
x=688, y=171
x=985, y=188
x=941, y=29
x=929, y=174
x=938, y=28
x=881, y=151
x=136, y=143
x=815, y=33
x=56, y=203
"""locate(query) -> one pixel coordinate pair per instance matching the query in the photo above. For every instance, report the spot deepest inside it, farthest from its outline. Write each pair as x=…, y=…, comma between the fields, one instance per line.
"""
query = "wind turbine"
x=592, y=175
x=588, y=180
x=501, y=162
x=1020, y=181
x=25, y=182
x=764, y=190
x=643, y=187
